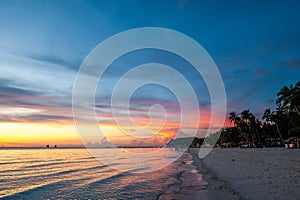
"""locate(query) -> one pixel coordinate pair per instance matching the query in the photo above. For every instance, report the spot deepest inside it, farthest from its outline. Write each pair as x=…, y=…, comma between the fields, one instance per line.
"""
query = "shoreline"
x=271, y=173
x=192, y=181
x=216, y=187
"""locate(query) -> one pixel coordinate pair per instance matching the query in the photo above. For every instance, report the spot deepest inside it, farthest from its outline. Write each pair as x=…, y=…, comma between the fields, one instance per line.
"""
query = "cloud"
x=45, y=77
x=103, y=143
x=5, y=118
x=12, y=91
x=74, y=65
x=291, y=64
x=7, y=87
x=35, y=118
x=43, y=117
x=11, y=94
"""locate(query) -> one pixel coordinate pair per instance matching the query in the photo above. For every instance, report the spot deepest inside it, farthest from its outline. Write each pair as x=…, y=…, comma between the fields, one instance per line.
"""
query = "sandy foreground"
x=268, y=173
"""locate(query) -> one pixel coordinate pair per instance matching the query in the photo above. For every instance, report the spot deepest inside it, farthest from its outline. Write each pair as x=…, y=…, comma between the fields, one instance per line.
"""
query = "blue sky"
x=255, y=44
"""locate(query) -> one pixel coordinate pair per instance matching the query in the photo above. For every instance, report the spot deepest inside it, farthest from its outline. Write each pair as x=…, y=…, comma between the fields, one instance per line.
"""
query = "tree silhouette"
x=273, y=118
x=289, y=98
x=284, y=122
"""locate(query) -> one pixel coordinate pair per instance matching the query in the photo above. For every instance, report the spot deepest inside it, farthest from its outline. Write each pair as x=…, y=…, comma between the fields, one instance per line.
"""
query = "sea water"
x=76, y=174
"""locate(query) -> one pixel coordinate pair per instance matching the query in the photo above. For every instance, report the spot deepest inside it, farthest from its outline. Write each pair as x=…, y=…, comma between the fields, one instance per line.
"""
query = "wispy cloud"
x=291, y=64
x=72, y=64
x=7, y=91
x=37, y=118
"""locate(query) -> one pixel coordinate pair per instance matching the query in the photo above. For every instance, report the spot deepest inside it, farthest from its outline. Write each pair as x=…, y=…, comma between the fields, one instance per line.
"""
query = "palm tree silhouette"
x=233, y=117
x=273, y=118
x=289, y=98
x=246, y=117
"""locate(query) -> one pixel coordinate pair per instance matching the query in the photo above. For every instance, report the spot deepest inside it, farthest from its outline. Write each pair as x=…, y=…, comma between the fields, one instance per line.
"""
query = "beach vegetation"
x=274, y=128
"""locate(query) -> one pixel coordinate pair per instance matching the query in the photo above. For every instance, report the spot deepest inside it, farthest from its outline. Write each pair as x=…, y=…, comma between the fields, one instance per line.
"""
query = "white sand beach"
x=268, y=173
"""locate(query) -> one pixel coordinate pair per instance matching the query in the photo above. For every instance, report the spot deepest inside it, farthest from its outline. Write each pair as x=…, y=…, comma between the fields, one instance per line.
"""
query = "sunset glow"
x=42, y=49
x=28, y=127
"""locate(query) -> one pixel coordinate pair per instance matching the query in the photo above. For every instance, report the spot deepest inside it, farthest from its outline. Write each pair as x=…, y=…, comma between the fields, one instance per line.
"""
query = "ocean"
x=76, y=174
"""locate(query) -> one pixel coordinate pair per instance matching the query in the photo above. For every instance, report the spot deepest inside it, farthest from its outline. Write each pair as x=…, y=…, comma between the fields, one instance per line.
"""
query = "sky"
x=255, y=45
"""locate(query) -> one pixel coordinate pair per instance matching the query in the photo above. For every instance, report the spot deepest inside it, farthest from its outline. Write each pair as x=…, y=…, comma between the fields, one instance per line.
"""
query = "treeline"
x=272, y=129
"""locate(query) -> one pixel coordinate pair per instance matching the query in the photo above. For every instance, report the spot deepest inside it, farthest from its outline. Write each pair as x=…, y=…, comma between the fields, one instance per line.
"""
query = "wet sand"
x=191, y=181
x=268, y=173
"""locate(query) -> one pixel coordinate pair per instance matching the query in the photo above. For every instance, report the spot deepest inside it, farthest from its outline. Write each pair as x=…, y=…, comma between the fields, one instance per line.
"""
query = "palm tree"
x=246, y=117
x=297, y=97
x=256, y=124
x=233, y=117
x=288, y=98
x=267, y=116
x=273, y=118
x=236, y=130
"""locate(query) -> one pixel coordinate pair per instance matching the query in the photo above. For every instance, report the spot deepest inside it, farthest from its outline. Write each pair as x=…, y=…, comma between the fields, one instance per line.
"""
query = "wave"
x=23, y=161
x=43, y=191
x=141, y=169
x=49, y=164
